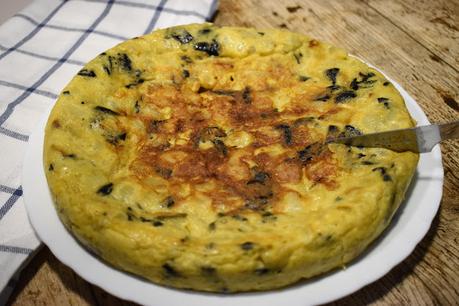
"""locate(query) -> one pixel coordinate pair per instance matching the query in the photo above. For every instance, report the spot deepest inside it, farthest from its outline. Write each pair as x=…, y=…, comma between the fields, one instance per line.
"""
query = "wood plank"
x=434, y=24
x=46, y=281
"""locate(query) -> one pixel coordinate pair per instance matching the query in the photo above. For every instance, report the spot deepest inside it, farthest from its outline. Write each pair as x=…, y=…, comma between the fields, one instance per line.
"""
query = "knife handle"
x=449, y=130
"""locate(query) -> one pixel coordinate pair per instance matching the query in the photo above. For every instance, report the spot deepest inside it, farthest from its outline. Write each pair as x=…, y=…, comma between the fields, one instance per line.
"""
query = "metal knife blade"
x=419, y=139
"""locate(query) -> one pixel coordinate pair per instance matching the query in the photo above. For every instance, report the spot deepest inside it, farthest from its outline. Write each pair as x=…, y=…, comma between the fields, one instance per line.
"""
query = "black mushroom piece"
x=384, y=101
x=260, y=177
x=105, y=110
x=137, y=107
x=185, y=73
x=203, y=89
x=121, y=136
x=367, y=163
x=107, y=70
x=87, y=73
x=246, y=246
x=212, y=48
x=350, y=131
x=115, y=139
x=212, y=226
x=210, y=133
x=220, y=92
x=220, y=146
x=165, y=173
x=332, y=129
x=208, y=271
x=183, y=37
x=303, y=78
x=120, y=60
x=130, y=215
x=323, y=98
x=155, y=125
x=205, y=31
x=332, y=133
x=268, y=216
x=239, y=218
x=258, y=203
x=169, y=201
x=247, y=95
x=310, y=152
x=344, y=96
x=262, y=271
x=109, y=66
x=124, y=61
x=170, y=271
x=386, y=177
x=331, y=75
x=111, y=61
x=354, y=84
x=135, y=83
x=298, y=57
x=105, y=189
x=364, y=81
x=186, y=59
x=287, y=133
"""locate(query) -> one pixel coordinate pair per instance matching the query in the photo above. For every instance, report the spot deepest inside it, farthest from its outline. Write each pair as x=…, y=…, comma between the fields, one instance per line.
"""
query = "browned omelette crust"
x=254, y=179
x=196, y=157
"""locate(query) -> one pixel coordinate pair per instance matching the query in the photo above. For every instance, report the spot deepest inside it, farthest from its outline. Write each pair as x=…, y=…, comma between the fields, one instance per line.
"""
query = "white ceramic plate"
x=408, y=227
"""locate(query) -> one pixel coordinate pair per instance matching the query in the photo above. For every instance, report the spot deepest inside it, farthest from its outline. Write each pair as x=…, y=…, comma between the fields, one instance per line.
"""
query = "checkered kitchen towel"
x=41, y=48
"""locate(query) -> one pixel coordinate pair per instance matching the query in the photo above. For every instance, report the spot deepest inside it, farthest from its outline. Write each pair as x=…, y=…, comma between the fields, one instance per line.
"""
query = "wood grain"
x=415, y=43
x=434, y=24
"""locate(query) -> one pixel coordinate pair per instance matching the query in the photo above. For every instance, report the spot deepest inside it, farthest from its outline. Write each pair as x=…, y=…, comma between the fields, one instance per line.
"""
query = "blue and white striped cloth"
x=41, y=48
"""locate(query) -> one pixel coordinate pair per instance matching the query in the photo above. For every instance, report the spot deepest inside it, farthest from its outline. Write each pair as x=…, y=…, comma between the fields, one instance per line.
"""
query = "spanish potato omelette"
x=197, y=157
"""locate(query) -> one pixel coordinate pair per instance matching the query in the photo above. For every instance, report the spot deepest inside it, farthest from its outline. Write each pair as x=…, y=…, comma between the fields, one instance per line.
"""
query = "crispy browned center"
x=244, y=177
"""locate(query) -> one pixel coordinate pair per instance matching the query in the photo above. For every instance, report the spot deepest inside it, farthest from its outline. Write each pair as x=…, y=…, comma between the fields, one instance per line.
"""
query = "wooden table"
x=414, y=42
